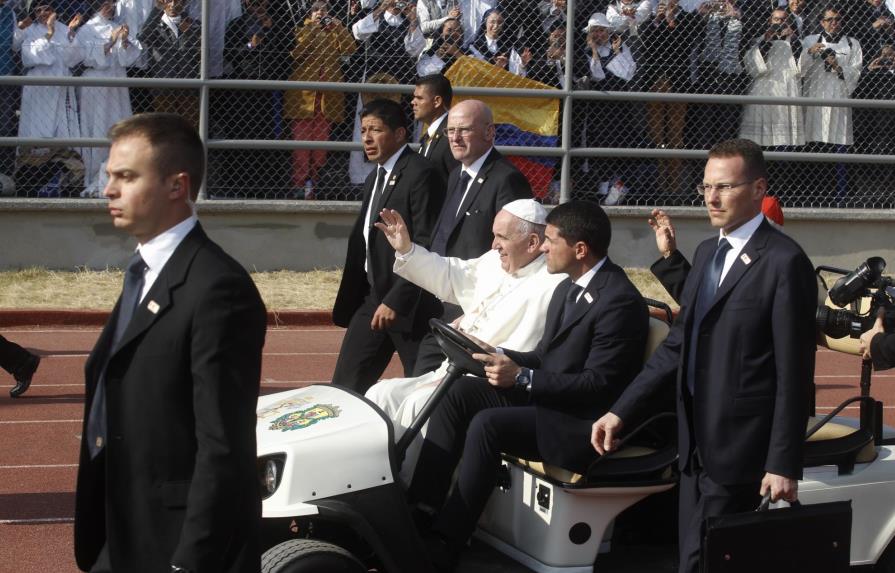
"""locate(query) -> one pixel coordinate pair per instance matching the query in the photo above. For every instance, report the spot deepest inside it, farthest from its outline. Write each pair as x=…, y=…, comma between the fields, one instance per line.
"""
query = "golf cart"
x=328, y=459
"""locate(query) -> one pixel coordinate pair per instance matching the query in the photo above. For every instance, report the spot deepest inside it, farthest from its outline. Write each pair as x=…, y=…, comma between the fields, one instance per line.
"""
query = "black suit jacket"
x=580, y=368
x=755, y=363
x=415, y=190
x=439, y=153
x=177, y=480
x=497, y=183
x=672, y=273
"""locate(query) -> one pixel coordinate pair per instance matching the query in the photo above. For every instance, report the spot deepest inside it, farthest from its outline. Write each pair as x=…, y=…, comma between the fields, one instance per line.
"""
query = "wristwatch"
x=523, y=379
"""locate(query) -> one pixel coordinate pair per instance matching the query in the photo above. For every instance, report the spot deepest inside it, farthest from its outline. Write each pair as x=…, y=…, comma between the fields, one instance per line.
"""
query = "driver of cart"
x=504, y=296
x=535, y=404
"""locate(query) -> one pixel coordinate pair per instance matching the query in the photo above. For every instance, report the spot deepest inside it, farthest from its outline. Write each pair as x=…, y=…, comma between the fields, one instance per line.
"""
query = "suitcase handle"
x=766, y=502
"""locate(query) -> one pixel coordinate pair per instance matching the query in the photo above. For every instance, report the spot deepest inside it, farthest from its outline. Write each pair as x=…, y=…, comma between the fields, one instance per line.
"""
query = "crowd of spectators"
x=782, y=48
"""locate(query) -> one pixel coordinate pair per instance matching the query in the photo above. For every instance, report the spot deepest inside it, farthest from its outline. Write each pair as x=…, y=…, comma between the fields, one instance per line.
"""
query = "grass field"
x=97, y=290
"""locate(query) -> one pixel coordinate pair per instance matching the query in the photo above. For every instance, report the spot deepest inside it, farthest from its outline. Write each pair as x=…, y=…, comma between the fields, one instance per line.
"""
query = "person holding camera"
x=319, y=47
x=495, y=46
x=391, y=38
x=433, y=14
x=831, y=65
x=774, y=71
x=878, y=345
x=875, y=127
x=873, y=24
x=627, y=16
x=444, y=51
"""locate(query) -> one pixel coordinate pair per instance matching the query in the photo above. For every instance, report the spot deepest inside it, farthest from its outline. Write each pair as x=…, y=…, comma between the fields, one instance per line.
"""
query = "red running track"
x=39, y=433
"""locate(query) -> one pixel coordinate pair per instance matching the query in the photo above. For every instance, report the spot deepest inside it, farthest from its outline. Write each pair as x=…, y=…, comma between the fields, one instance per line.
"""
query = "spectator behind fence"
x=606, y=65
x=549, y=65
x=668, y=41
x=319, y=46
x=872, y=23
x=172, y=40
x=224, y=12
x=628, y=16
x=109, y=48
x=495, y=45
x=472, y=14
x=775, y=72
x=391, y=40
x=433, y=14
x=444, y=51
x=553, y=13
x=831, y=66
x=875, y=127
x=805, y=17
x=9, y=94
x=256, y=48
x=718, y=71
x=49, y=48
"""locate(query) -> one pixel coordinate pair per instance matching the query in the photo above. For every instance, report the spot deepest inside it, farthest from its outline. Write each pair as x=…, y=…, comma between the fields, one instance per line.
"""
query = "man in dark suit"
x=383, y=312
x=167, y=479
x=476, y=191
x=431, y=101
x=20, y=363
x=537, y=404
x=741, y=354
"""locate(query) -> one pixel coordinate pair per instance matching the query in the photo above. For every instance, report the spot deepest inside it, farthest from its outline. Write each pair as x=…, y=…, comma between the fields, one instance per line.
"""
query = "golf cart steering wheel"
x=458, y=347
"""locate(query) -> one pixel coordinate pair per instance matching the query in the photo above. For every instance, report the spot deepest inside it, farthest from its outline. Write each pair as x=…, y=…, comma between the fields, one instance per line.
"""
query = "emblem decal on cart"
x=307, y=417
x=283, y=406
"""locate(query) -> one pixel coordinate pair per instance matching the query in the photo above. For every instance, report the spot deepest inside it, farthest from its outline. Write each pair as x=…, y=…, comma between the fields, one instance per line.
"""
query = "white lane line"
x=40, y=421
x=85, y=354
x=852, y=376
x=75, y=330
x=39, y=467
x=42, y=520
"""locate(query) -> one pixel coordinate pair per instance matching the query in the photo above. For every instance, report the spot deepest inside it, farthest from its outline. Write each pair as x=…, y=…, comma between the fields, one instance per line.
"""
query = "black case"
x=814, y=538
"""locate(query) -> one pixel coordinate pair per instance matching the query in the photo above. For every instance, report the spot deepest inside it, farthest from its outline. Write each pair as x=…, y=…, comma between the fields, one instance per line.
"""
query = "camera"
x=400, y=4
x=326, y=20
x=776, y=29
x=849, y=290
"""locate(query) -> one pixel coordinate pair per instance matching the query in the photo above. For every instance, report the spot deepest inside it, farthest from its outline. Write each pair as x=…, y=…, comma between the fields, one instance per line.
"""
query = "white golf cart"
x=328, y=460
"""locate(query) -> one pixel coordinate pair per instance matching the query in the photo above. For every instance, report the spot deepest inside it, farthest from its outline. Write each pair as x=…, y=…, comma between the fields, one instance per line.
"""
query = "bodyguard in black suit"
x=167, y=479
x=380, y=309
x=431, y=101
x=476, y=191
x=538, y=405
x=741, y=355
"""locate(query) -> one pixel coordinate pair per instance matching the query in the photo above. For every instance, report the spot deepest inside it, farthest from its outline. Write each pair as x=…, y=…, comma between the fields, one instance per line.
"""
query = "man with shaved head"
x=476, y=190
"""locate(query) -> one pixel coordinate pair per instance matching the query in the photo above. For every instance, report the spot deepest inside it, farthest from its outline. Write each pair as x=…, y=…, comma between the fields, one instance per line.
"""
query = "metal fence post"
x=565, y=179
x=203, y=91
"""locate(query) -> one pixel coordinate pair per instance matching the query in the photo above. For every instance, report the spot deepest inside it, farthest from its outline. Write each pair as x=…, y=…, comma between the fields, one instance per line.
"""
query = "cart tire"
x=309, y=556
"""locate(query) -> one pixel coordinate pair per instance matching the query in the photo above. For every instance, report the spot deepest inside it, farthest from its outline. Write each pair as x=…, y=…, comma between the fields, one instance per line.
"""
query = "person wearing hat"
x=503, y=295
x=608, y=65
x=536, y=404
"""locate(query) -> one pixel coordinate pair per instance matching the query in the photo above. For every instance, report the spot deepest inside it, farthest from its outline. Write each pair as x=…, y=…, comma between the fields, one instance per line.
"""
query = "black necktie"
x=449, y=215
x=424, y=142
x=568, y=309
x=708, y=287
x=130, y=298
x=375, y=195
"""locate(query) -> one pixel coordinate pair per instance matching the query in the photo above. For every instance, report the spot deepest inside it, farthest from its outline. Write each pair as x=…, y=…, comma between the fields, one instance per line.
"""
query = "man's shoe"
x=24, y=375
x=443, y=555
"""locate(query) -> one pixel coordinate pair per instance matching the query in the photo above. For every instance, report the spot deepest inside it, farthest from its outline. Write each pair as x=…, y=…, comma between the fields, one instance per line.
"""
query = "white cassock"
x=502, y=309
x=776, y=76
x=48, y=111
x=223, y=12
x=102, y=107
x=830, y=124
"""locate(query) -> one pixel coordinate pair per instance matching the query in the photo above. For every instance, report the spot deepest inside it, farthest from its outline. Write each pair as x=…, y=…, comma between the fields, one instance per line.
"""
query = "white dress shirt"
x=738, y=240
x=158, y=250
x=389, y=165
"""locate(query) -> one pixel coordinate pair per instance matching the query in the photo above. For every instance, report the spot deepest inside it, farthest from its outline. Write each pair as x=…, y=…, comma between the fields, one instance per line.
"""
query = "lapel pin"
x=745, y=258
x=392, y=182
x=480, y=180
x=153, y=307
x=588, y=298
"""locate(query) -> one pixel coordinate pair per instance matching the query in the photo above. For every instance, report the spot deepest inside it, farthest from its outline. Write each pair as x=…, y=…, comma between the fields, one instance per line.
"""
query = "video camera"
x=866, y=281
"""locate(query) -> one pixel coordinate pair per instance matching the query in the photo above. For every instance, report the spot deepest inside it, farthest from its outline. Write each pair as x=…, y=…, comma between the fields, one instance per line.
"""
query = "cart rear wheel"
x=309, y=556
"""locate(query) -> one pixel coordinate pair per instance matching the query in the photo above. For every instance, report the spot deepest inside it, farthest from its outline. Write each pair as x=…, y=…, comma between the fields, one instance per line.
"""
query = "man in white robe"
x=831, y=67
x=504, y=295
x=48, y=48
x=109, y=48
x=774, y=71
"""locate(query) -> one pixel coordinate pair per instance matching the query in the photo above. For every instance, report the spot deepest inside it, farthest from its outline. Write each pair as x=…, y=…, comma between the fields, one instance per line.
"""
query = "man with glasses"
x=741, y=356
x=477, y=190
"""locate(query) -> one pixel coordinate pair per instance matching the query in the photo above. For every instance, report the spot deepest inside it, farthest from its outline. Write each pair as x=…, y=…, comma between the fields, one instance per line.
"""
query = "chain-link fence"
x=609, y=100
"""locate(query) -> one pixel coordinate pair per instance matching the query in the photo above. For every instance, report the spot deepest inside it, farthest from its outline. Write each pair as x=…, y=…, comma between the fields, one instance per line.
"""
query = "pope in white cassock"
x=109, y=48
x=48, y=49
x=831, y=67
x=504, y=295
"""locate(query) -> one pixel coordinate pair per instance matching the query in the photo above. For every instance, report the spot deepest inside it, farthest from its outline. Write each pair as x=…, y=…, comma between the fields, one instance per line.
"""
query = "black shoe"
x=24, y=375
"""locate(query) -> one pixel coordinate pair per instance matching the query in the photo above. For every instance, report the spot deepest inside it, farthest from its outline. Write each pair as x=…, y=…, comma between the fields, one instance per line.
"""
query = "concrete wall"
x=273, y=235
